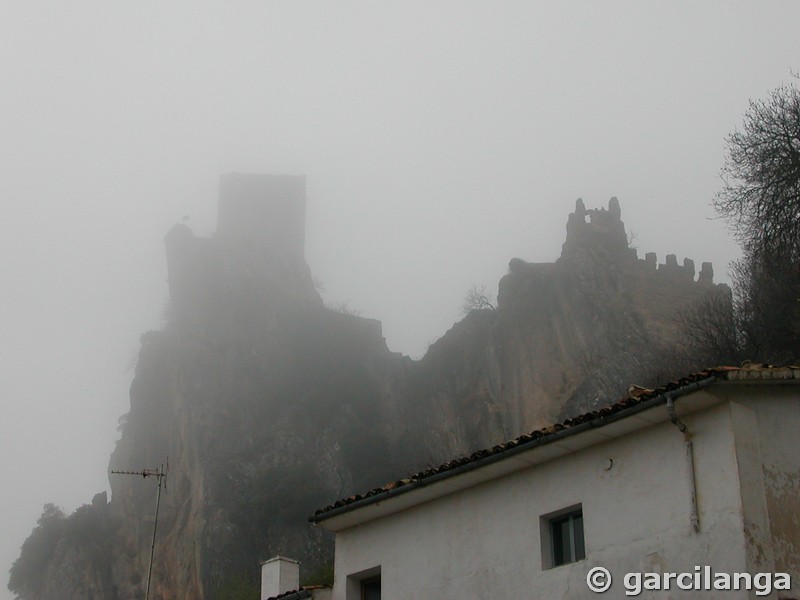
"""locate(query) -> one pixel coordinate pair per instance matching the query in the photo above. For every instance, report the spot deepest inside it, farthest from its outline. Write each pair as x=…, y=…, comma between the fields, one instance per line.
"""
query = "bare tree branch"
x=761, y=200
x=477, y=298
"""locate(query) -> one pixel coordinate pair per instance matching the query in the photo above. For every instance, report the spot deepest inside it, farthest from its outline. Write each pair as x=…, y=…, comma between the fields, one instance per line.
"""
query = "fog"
x=439, y=140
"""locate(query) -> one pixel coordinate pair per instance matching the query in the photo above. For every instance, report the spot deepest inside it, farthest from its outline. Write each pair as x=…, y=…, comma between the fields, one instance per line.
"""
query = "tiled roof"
x=292, y=595
x=307, y=591
x=638, y=399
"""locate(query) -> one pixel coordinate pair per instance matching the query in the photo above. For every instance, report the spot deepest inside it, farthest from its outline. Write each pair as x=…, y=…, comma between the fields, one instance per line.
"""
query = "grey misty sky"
x=440, y=140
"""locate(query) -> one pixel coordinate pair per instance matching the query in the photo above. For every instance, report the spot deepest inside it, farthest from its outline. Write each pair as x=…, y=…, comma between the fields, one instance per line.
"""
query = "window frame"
x=355, y=582
x=548, y=535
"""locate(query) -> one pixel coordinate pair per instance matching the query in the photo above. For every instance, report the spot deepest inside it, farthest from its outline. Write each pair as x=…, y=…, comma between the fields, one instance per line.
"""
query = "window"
x=562, y=537
x=364, y=585
x=371, y=589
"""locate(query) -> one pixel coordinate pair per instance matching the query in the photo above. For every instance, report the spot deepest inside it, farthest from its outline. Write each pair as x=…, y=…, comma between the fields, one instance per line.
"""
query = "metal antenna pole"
x=159, y=474
x=153, y=545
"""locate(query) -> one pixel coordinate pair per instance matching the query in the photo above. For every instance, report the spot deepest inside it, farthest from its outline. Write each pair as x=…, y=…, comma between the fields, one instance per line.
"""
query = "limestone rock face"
x=565, y=338
x=269, y=405
x=266, y=403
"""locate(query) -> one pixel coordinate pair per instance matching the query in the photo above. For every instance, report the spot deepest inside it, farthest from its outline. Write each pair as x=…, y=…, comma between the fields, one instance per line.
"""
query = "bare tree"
x=343, y=307
x=761, y=193
x=761, y=200
x=767, y=304
x=477, y=298
x=710, y=331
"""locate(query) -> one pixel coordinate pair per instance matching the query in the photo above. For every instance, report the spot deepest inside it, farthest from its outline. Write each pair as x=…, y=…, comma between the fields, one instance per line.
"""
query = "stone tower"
x=256, y=256
x=267, y=211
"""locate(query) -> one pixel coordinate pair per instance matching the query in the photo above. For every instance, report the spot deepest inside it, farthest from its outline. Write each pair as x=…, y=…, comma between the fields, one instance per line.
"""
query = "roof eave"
x=333, y=521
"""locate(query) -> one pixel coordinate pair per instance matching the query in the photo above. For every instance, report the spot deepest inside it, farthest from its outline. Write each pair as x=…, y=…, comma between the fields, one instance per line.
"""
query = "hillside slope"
x=269, y=405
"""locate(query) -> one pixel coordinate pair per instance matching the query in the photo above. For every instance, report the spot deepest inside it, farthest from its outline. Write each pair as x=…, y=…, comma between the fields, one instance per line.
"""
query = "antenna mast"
x=161, y=475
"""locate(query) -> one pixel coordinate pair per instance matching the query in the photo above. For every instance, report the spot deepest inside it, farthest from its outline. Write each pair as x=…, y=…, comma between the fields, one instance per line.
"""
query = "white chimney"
x=278, y=576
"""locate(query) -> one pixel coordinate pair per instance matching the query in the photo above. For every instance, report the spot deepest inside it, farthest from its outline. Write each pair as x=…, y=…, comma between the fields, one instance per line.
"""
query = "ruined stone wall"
x=569, y=336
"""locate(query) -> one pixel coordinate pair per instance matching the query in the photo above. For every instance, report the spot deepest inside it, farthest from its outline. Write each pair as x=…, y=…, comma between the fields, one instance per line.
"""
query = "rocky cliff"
x=269, y=405
x=567, y=336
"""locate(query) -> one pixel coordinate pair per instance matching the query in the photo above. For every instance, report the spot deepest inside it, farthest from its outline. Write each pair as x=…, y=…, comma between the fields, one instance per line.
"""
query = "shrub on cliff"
x=25, y=575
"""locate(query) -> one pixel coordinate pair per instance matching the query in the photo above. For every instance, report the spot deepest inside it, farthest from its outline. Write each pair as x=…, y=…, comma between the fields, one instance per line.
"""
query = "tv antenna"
x=160, y=475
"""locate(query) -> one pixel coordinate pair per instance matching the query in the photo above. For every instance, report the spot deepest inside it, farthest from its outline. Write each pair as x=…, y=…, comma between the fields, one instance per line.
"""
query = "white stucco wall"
x=484, y=542
x=767, y=426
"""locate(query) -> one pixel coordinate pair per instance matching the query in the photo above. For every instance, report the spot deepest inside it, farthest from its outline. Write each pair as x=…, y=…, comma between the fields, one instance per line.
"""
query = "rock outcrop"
x=269, y=405
x=567, y=336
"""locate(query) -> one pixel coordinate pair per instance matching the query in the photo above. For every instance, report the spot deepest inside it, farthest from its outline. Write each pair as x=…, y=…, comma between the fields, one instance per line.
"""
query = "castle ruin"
x=602, y=228
x=267, y=211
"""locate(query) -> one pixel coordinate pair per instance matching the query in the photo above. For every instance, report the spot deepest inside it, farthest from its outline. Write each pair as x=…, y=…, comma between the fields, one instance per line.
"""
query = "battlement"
x=598, y=227
x=268, y=211
x=602, y=230
x=671, y=270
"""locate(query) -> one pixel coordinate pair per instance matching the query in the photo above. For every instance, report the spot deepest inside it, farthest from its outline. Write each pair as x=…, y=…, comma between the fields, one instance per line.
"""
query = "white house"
x=695, y=485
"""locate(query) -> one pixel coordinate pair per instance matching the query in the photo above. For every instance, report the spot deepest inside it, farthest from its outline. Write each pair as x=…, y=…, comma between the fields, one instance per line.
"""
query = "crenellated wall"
x=602, y=229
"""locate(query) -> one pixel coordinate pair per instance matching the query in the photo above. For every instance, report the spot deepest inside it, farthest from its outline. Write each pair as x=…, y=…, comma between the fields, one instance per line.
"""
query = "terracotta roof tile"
x=292, y=595
x=637, y=396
